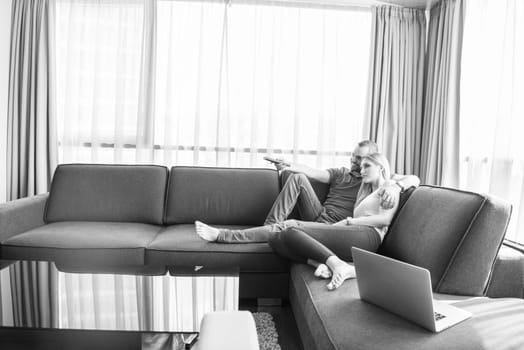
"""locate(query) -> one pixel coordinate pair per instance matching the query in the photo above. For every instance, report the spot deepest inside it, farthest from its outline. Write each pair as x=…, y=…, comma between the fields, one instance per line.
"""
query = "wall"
x=5, y=33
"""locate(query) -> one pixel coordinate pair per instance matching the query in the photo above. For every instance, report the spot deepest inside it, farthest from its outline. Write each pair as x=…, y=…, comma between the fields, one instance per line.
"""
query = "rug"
x=266, y=331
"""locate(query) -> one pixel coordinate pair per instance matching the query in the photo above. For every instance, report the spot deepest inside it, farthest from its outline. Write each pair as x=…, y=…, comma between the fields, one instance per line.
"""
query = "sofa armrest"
x=507, y=279
x=21, y=215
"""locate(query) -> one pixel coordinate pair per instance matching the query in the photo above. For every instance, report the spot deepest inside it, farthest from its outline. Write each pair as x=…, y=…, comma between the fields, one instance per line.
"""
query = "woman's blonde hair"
x=380, y=160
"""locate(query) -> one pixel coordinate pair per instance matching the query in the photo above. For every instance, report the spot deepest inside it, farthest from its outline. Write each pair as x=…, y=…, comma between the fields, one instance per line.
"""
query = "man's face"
x=356, y=157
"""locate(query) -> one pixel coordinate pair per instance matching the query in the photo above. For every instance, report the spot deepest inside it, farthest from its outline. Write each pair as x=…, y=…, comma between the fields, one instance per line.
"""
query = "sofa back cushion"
x=229, y=196
x=454, y=234
x=96, y=192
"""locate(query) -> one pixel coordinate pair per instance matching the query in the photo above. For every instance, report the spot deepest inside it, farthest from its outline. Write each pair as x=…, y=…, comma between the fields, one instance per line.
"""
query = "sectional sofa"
x=138, y=216
x=108, y=216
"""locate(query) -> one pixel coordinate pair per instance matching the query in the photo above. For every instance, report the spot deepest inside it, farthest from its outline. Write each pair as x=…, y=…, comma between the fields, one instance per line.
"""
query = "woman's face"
x=370, y=171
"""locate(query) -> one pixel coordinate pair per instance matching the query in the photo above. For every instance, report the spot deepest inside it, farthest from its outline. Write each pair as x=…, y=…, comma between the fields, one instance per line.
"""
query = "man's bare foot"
x=322, y=271
x=341, y=272
x=206, y=232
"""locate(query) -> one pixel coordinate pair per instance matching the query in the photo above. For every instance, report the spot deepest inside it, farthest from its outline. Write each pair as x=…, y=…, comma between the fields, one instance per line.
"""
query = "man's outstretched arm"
x=320, y=175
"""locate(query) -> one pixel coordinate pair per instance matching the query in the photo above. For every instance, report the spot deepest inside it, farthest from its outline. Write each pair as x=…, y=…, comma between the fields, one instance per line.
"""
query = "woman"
x=329, y=252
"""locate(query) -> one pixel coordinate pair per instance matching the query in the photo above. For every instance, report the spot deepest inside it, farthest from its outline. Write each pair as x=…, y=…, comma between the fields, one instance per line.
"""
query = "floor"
x=288, y=336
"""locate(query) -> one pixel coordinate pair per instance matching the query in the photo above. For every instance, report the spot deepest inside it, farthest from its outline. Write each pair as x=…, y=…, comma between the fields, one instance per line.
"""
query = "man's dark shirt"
x=343, y=189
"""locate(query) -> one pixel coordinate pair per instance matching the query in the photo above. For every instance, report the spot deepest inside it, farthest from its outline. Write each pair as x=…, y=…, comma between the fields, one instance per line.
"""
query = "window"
x=209, y=83
x=492, y=108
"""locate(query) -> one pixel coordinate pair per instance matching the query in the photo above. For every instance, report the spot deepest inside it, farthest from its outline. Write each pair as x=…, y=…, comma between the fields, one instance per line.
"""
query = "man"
x=343, y=188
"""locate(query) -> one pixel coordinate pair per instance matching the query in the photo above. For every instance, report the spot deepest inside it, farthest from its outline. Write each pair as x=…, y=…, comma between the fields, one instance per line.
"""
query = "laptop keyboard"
x=438, y=316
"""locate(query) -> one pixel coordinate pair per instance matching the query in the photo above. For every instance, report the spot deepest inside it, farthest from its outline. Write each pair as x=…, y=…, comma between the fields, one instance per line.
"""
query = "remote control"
x=276, y=161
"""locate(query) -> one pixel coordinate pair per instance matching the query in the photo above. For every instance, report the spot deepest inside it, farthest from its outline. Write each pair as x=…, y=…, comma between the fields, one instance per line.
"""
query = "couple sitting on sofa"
x=363, y=198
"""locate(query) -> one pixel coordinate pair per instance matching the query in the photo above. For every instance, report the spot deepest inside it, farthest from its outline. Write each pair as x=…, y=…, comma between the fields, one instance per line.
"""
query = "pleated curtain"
x=439, y=162
x=31, y=137
x=35, y=294
x=395, y=92
x=31, y=146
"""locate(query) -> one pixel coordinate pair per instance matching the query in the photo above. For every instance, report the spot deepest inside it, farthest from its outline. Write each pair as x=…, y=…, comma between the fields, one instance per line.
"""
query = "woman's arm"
x=392, y=188
x=383, y=218
x=406, y=181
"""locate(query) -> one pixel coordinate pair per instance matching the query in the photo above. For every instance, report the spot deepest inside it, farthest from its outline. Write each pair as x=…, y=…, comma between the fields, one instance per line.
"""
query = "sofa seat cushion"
x=340, y=320
x=78, y=242
x=180, y=245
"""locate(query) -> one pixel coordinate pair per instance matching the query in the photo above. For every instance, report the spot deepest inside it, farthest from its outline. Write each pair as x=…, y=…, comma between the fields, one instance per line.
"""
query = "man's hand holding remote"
x=280, y=164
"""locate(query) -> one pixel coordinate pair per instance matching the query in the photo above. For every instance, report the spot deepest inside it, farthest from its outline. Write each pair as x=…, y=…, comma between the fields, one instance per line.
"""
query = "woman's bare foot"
x=206, y=232
x=322, y=271
x=341, y=272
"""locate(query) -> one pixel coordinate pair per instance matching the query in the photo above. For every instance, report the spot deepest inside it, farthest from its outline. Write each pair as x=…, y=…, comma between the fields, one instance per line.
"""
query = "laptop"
x=404, y=290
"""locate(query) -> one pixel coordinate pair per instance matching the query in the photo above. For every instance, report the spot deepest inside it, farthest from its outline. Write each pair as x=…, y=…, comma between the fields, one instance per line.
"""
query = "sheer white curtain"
x=124, y=302
x=210, y=83
x=37, y=294
x=102, y=48
x=242, y=80
x=492, y=104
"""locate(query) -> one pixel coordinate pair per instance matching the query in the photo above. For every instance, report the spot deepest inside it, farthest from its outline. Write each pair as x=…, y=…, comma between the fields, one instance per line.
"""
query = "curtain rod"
x=331, y=4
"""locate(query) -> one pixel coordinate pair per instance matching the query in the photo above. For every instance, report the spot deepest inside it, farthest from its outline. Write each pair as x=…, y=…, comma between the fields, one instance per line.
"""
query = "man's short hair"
x=373, y=147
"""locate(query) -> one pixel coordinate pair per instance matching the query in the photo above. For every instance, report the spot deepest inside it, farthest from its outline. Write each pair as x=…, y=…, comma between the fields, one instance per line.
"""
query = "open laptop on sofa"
x=404, y=290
